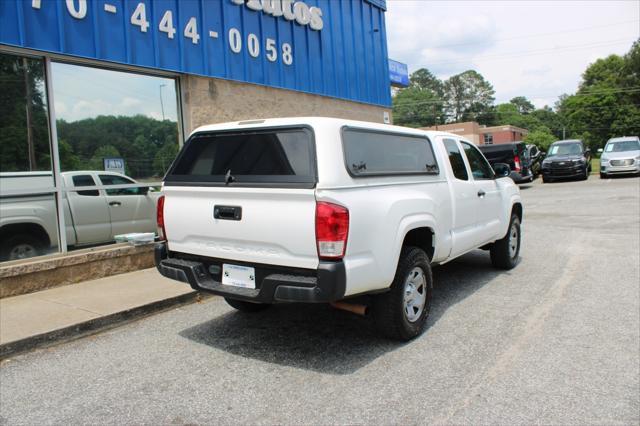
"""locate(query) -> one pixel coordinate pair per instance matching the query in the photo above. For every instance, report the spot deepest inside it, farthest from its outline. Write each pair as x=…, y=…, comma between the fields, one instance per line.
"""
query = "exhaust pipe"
x=350, y=307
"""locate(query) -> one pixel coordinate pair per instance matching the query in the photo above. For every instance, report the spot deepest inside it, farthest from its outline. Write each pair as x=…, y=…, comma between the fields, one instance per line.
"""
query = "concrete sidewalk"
x=64, y=313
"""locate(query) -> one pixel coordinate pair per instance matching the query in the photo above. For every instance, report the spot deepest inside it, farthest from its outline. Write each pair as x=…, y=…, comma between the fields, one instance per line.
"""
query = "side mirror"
x=502, y=169
x=587, y=151
x=144, y=190
x=600, y=150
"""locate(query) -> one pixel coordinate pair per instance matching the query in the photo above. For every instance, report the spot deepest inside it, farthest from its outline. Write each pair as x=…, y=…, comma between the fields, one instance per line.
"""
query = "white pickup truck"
x=330, y=210
x=28, y=224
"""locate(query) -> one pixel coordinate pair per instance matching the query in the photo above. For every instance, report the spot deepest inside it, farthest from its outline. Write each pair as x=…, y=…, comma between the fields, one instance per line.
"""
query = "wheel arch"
x=517, y=209
x=422, y=237
x=30, y=228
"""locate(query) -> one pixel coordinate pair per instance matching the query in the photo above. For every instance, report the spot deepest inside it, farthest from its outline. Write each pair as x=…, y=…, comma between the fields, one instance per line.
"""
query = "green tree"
x=606, y=103
x=415, y=107
x=523, y=105
x=423, y=79
x=469, y=97
x=24, y=135
x=164, y=157
x=541, y=138
x=68, y=159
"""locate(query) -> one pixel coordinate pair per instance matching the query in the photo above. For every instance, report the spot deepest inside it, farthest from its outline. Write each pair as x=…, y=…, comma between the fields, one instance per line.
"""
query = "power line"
x=535, y=35
x=534, y=52
x=631, y=89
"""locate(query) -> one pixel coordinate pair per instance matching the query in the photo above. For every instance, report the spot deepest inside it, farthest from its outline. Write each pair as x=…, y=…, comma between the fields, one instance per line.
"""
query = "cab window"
x=455, y=159
x=480, y=168
x=118, y=180
x=85, y=180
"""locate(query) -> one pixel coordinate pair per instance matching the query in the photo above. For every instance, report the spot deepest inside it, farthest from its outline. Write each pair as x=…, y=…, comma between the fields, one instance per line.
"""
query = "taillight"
x=162, y=234
x=332, y=229
x=516, y=160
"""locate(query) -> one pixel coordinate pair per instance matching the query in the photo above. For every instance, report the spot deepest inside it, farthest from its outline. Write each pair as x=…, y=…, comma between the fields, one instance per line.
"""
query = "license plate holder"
x=238, y=276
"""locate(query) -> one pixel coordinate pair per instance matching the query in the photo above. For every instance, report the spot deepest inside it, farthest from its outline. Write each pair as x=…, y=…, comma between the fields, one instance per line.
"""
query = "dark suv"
x=515, y=155
x=566, y=159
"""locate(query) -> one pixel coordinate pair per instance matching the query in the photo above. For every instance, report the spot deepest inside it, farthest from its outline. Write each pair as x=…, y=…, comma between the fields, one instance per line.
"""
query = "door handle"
x=115, y=203
x=481, y=193
x=227, y=212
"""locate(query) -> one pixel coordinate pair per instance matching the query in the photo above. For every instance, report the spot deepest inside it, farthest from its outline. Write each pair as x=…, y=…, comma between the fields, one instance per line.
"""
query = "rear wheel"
x=21, y=246
x=505, y=252
x=243, y=306
x=402, y=312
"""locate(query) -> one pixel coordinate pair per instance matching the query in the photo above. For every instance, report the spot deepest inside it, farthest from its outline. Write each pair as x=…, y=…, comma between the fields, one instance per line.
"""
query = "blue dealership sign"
x=329, y=47
x=398, y=73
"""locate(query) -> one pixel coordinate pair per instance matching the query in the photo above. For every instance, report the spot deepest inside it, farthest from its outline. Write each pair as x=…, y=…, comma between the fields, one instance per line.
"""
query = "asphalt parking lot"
x=556, y=340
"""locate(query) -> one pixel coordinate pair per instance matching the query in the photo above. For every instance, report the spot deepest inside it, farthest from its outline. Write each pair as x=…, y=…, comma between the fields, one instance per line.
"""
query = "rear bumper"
x=521, y=177
x=273, y=284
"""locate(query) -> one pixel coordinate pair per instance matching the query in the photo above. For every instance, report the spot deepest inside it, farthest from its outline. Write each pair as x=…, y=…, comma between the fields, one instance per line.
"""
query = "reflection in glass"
x=114, y=128
x=111, y=115
x=24, y=131
x=28, y=224
x=28, y=221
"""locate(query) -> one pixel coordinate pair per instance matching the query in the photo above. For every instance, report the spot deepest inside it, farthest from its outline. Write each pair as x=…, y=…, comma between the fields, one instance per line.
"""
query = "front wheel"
x=401, y=313
x=586, y=174
x=243, y=306
x=546, y=179
x=603, y=175
x=505, y=252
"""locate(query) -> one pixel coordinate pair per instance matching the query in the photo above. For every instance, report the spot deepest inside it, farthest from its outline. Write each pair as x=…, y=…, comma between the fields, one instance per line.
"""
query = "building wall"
x=208, y=100
x=503, y=134
x=506, y=136
x=468, y=130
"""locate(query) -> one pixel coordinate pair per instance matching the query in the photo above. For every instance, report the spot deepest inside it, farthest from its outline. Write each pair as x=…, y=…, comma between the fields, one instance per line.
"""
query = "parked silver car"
x=620, y=156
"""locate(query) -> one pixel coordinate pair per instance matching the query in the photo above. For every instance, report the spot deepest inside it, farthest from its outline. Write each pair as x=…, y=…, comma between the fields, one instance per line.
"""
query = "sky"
x=84, y=92
x=537, y=49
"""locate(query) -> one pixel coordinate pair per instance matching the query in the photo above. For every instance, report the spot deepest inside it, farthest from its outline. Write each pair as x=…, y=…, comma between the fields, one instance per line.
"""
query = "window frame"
x=391, y=133
x=57, y=188
x=258, y=181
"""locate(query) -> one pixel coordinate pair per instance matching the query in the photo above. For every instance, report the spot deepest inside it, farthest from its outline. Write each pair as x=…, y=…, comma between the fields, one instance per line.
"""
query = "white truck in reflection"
x=93, y=216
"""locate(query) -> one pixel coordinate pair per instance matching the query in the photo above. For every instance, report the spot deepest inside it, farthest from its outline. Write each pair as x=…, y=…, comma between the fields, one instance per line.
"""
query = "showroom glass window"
x=121, y=128
x=28, y=218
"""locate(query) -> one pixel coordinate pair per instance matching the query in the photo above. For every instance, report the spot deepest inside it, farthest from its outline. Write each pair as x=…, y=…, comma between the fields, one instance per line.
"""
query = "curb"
x=96, y=325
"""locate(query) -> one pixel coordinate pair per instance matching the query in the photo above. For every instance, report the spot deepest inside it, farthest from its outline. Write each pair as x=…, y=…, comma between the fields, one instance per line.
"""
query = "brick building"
x=482, y=135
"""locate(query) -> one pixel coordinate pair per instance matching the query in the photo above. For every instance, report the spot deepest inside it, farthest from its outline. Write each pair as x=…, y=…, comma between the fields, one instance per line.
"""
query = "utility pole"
x=161, y=103
x=28, y=95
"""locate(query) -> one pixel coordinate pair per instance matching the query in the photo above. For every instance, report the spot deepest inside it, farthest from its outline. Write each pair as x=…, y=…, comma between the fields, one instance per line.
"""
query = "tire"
x=21, y=246
x=394, y=314
x=505, y=254
x=603, y=175
x=586, y=174
x=248, y=307
x=546, y=179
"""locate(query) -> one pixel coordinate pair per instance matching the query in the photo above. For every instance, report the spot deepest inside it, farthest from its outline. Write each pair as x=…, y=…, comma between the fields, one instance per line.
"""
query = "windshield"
x=622, y=146
x=565, y=149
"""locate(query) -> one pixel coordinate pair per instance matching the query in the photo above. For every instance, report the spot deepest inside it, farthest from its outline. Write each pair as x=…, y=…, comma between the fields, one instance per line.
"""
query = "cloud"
x=526, y=48
x=128, y=102
x=422, y=39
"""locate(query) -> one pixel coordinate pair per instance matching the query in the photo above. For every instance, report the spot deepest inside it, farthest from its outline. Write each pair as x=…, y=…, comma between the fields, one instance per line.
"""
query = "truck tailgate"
x=274, y=226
